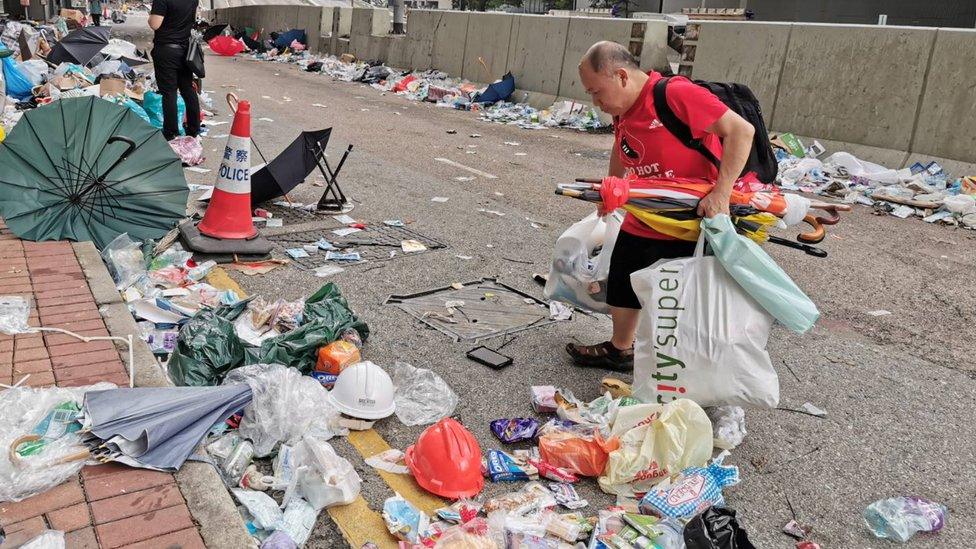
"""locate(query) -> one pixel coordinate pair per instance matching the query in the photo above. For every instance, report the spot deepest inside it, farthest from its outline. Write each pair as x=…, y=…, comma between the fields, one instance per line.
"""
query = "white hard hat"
x=363, y=390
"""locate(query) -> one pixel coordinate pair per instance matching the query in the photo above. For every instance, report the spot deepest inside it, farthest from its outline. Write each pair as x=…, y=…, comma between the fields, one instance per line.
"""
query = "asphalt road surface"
x=898, y=388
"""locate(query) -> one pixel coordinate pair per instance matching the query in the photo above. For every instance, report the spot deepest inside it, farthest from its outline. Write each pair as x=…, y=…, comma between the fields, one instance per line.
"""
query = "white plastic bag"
x=846, y=164
x=581, y=262
x=700, y=336
x=422, y=397
x=286, y=405
x=656, y=442
x=21, y=410
x=323, y=477
x=14, y=313
x=125, y=261
x=48, y=539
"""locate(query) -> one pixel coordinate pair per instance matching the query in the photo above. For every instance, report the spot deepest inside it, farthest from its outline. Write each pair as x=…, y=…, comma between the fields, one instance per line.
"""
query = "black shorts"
x=632, y=253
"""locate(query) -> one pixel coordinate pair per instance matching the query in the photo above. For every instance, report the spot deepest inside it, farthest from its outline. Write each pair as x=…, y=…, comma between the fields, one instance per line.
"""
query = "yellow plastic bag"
x=656, y=441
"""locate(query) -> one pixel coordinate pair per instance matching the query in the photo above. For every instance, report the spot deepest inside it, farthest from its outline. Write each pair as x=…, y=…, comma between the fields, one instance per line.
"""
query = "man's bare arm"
x=736, y=134
x=155, y=21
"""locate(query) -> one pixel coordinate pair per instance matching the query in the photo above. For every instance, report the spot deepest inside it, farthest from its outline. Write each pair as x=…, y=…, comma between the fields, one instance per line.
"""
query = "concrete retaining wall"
x=541, y=52
x=898, y=89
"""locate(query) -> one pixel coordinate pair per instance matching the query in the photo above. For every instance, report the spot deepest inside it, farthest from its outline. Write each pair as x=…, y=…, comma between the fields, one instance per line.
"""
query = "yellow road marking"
x=359, y=524
x=218, y=278
x=368, y=444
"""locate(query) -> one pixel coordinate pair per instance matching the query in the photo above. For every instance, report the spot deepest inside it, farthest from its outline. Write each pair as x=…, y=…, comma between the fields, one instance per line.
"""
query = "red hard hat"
x=446, y=460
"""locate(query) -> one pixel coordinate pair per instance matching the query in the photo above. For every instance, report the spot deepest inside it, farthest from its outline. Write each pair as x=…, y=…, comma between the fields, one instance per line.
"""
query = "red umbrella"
x=226, y=45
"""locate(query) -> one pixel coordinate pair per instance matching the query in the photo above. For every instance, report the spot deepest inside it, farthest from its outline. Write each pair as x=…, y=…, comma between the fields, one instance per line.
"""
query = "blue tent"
x=499, y=91
x=285, y=39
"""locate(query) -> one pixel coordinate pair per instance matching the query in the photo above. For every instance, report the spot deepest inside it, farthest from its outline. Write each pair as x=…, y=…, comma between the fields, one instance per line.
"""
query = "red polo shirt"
x=647, y=149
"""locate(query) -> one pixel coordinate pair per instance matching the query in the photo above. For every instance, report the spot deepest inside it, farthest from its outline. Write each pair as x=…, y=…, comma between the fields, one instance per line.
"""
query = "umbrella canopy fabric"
x=158, y=427
x=88, y=169
x=290, y=168
x=213, y=31
x=125, y=51
x=499, y=91
x=80, y=45
x=285, y=39
x=226, y=45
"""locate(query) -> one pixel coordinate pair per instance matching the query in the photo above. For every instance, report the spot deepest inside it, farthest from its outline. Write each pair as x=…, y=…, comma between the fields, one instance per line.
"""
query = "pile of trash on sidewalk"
x=434, y=86
x=46, y=63
x=922, y=190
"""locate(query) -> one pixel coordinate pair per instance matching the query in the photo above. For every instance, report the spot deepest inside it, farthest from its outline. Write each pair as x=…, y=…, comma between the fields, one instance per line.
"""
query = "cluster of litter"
x=922, y=190
x=45, y=63
x=434, y=86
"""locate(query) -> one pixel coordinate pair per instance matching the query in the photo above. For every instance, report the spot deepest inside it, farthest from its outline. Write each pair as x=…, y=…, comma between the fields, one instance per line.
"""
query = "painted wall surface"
x=904, y=89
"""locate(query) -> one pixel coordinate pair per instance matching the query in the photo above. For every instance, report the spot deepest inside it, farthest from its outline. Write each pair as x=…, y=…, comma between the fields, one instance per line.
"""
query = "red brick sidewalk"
x=105, y=506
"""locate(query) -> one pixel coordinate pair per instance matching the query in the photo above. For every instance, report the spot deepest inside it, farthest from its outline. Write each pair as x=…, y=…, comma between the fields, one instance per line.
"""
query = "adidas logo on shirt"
x=655, y=124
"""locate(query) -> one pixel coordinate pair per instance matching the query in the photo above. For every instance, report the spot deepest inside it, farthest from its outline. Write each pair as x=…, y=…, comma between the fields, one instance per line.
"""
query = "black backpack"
x=740, y=99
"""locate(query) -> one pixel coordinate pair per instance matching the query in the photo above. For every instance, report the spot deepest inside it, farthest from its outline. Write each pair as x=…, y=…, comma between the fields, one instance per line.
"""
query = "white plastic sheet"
x=286, y=405
x=21, y=409
x=846, y=164
x=422, y=397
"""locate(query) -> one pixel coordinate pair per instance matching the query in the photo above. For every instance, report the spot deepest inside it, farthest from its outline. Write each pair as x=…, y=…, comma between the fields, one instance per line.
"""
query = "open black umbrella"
x=291, y=167
x=88, y=169
x=80, y=45
x=213, y=31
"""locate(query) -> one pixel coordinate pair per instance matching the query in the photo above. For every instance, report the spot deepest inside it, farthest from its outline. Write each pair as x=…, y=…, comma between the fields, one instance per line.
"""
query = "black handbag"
x=194, y=56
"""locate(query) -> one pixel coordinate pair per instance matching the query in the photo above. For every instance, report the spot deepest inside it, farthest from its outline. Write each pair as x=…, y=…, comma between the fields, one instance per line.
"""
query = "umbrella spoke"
x=38, y=138
x=48, y=191
x=94, y=162
x=145, y=173
x=24, y=160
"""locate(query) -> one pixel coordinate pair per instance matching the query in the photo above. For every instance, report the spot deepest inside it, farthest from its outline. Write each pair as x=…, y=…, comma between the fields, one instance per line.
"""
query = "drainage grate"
x=293, y=216
x=373, y=243
x=490, y=309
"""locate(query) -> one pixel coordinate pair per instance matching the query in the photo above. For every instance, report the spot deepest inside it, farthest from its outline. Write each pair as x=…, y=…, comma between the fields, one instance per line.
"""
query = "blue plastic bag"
x=696, y=489
x=759, y=275
x=18, y=85
x=152, y=103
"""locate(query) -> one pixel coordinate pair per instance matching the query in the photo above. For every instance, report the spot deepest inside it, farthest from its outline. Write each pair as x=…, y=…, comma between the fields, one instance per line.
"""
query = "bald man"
x=645, y=148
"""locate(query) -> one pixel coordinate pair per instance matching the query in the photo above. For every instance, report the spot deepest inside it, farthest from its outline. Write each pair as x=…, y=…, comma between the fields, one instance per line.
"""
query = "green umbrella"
x=88, y=169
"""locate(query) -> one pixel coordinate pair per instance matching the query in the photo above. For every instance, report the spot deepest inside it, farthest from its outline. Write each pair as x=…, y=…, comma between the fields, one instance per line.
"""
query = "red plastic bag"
x=573, y=449
x=401, y=86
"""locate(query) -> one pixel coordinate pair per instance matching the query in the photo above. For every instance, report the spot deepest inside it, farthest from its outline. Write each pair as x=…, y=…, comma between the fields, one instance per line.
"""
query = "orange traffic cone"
x=227, y=232
x=229, y=212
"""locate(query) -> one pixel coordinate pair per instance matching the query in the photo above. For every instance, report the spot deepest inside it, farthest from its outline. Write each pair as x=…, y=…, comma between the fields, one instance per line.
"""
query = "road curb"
x=210, y=504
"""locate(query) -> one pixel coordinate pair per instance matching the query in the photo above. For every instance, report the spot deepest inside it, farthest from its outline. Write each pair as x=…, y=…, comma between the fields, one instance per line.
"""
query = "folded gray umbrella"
x=157, y=427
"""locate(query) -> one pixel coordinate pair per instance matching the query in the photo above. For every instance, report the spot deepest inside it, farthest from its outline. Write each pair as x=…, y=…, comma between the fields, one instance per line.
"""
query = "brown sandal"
x=602, y=355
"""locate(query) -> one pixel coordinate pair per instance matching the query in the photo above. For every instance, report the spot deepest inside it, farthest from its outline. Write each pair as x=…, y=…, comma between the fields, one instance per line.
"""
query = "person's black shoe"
x=602, y=355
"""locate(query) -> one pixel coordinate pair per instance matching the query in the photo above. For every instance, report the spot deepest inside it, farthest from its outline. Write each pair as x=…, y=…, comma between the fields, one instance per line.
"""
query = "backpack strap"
x=674, y=124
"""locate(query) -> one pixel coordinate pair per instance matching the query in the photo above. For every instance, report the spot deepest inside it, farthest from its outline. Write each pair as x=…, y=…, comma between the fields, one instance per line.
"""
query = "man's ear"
x=623, y=75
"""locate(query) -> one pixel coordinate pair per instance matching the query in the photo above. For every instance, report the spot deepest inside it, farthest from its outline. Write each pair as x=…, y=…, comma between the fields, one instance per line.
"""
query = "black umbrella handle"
x=131, y=146
x=810, y=250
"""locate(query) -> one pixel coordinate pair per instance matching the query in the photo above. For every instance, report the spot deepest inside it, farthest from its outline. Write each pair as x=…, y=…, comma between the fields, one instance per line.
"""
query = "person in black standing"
x=172, y=20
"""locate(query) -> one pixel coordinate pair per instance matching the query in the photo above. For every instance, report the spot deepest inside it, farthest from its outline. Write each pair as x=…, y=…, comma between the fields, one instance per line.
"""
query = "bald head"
x=612, y=77
x=606, y=57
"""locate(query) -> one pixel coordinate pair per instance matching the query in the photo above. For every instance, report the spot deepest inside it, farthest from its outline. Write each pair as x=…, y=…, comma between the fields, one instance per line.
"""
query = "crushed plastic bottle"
x=901, y=517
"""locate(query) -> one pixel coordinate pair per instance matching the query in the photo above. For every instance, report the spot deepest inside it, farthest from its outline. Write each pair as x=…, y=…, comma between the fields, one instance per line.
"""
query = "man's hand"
x=715, y=202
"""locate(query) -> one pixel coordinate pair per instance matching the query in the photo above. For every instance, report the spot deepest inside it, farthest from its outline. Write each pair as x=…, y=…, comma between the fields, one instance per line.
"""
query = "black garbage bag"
x=328, y=305
x=314, y=66
x=374, y=74
x=716, y=528
x=207, y=347
x=297, y=348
